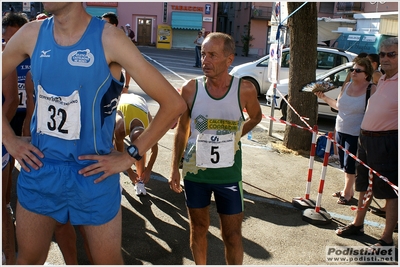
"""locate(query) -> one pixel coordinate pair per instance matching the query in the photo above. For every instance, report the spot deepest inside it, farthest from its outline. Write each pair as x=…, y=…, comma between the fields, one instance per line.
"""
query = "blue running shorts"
x=6, y=157
x=58, y=191
x=228, y=197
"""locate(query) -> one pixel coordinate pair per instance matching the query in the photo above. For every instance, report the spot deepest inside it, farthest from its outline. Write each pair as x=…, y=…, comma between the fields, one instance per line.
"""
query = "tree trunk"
x=303, y=29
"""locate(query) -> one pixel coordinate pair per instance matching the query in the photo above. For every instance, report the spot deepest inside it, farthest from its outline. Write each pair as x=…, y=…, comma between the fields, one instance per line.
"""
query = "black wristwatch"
x=134, y=152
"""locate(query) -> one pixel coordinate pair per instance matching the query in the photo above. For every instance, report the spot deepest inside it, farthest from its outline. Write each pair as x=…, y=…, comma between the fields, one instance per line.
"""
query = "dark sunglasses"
x=357, y=70
x=389, y=54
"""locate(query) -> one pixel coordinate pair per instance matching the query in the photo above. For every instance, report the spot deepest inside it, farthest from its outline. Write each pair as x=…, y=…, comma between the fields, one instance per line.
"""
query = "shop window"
x=326, y=7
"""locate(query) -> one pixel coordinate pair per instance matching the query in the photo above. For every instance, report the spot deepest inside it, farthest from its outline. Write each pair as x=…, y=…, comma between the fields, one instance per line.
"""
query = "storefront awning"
x=327, y=27
x=99, y=11
x=187, y=20
x=389, y=25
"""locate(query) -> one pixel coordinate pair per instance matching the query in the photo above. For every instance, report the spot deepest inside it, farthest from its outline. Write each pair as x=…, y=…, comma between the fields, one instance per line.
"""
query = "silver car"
x=336, y=76
x=257, y=71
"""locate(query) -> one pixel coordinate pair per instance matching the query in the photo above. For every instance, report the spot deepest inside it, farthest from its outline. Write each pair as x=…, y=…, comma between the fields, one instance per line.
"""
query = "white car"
x=257, y=71
x=335, y=76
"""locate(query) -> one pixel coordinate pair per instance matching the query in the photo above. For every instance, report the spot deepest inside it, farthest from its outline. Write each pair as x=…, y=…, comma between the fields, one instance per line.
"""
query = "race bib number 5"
x=59, y=116
x=215, y=151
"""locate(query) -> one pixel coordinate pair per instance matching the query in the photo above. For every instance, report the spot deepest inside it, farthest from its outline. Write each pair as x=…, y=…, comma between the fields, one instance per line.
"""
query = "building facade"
x=251, y=24
x=184, y=18
x=379, y=17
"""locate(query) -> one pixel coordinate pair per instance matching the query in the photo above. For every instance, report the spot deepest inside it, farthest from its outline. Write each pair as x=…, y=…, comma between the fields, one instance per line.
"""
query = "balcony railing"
x=261, y=12
x=349, y=7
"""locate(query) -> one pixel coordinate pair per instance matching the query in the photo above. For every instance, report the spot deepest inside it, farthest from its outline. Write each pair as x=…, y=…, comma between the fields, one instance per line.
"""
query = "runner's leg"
x=34, y=234
x=199, y=222
x=231, y=230
x=105, y=241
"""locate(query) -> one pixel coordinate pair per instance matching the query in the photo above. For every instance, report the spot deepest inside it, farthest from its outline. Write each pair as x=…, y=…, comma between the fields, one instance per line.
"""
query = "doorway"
x=144, y=31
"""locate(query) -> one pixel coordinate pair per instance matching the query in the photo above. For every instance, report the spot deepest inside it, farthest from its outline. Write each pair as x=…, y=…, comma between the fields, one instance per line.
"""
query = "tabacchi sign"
x=113, y=4
x=187, y=8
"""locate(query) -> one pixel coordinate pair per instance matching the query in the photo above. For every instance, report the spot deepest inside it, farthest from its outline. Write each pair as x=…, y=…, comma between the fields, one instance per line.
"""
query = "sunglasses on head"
x=389, y=54
x=357, y=70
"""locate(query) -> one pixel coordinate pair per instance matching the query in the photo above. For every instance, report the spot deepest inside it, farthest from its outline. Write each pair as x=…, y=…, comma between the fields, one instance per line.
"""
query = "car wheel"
x=284, y=109
x=254, y=82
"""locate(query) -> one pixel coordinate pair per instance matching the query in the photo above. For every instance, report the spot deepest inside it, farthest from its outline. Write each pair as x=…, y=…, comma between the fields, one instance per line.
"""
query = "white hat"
x=127, y=25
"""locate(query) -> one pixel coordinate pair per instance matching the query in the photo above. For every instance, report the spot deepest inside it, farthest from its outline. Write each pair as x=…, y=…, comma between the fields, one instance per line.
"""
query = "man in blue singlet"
x=69, y=169
x=211, y=129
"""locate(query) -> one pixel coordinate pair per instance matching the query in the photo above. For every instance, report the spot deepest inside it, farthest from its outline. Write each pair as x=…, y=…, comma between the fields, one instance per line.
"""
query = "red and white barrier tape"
x=395, y=187
x=287, y=102
x=368, y=193
x=290, y=124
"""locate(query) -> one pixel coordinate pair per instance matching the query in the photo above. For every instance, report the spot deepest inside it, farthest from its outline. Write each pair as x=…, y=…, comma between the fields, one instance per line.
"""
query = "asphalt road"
x=155, y=227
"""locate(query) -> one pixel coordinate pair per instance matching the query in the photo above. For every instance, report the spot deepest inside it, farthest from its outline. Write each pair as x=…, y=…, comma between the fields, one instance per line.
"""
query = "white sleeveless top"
x=218, y=118
x=351, y=113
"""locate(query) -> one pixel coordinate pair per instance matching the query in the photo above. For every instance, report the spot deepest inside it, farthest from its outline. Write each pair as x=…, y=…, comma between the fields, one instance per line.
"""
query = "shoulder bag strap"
x=367, y=95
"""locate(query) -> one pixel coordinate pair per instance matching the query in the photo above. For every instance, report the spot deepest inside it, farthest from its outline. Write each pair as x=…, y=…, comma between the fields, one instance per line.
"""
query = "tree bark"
x=303, y=30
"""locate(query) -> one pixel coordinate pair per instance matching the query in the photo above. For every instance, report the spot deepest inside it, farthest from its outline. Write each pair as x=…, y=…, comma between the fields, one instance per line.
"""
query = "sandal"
x=343, y=201
x=349, y=230
x=382, y=243
x=337, y=194
x=374, y=248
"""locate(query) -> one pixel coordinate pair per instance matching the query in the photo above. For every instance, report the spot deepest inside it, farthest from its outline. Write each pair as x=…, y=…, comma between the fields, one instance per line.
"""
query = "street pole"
x=271, y=122
x=277, y=71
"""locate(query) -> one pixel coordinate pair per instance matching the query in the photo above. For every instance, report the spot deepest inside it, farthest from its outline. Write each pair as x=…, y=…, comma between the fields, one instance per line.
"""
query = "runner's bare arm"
x=30, y=105
x=249, y=101
x=182, y=132
x=153, y=84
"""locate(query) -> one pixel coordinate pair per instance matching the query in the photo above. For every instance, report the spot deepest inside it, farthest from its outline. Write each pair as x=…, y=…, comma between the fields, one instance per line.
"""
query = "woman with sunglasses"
x=350, y=104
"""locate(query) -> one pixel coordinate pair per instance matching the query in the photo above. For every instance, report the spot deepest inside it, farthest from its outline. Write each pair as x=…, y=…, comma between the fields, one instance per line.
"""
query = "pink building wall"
x=259, y=31
x=129, y=12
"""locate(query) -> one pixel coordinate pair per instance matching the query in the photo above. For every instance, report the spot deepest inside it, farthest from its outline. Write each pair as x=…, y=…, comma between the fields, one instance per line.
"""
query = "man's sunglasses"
x=357, y=70
x=389, y=54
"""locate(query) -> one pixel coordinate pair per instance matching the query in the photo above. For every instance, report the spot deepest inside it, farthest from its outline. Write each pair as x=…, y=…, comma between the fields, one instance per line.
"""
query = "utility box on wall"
x=164, y=37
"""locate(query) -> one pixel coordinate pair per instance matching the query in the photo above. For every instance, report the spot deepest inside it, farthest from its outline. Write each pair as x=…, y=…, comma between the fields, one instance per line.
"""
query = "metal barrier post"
x=319, y=216
x=304, y=203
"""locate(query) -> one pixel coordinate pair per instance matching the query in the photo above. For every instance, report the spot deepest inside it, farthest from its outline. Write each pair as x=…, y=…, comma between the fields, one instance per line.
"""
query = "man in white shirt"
x=199, y=40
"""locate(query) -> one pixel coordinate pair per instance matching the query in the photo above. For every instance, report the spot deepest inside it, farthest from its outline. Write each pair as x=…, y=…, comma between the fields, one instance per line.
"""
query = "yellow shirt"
x=133, y=107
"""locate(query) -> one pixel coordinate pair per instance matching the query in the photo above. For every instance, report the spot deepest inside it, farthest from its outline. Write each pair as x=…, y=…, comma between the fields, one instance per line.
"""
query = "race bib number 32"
x=215, y=151
x=59, y=116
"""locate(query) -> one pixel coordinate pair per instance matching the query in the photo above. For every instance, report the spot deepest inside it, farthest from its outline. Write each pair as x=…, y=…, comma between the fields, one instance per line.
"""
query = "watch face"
x=132, y=150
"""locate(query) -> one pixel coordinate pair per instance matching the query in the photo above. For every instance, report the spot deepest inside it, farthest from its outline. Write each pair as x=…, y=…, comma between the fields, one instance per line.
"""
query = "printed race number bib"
x=215, y=151
x=59, y=116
